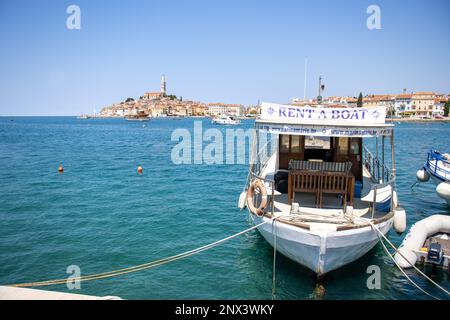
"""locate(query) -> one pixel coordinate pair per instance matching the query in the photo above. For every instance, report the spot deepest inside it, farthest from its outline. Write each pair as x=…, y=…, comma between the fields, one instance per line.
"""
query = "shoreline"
x=418, y=120
x=445, y=120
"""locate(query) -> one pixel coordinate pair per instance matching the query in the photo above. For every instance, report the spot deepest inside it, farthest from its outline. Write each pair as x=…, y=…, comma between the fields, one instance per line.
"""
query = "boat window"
x=317, y=142
x=342, y=145
x=295, y=144
x=284, y=145
x=354, y=147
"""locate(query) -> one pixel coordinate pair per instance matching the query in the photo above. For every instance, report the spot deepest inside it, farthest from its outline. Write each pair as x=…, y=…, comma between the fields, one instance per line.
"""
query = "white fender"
x=399, y=220
x=422, y=175
x=443, y=190
x=242, y=200
x=395, y=199
x=417, y=235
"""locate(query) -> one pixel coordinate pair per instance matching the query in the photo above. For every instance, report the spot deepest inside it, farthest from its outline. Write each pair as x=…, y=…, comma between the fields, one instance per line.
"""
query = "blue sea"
x=100, y=215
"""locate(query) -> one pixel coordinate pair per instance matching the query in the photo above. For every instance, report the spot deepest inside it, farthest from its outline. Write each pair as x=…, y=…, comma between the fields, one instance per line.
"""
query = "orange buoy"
x=139, y=170
x=60, y=169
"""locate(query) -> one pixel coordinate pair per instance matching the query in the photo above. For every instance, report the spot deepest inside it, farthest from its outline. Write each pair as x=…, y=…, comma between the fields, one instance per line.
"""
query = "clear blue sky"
x=229, y=51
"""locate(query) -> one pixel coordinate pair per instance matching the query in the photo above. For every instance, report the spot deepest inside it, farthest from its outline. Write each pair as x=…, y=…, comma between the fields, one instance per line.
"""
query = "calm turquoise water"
x=100, y=215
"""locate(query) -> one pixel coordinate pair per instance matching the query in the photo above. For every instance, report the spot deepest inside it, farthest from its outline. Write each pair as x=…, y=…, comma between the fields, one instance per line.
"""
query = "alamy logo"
x=190, y=149
x=73, y=281
x=374, y=280
x=374, y=20
x=74, y=19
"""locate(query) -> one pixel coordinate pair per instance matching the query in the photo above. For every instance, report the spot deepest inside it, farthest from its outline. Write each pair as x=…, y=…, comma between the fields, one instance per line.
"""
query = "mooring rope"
x=374, y=227
x=141, y=267
x=403, y=271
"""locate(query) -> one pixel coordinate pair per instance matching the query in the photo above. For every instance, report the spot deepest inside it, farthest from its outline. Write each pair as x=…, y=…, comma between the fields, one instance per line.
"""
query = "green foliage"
x=359, y=103
x=129, y=100
x=447, y=108
x=391, y=112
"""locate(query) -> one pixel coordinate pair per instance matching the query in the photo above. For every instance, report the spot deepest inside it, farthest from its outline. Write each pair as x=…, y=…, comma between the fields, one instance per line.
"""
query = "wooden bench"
x=334, y=183
x=320, y=166
x=304, y=181
x=320, y=178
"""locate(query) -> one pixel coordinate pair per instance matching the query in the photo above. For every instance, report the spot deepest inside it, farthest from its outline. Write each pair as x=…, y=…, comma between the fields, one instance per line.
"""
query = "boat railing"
x=378, y=170
x=378, y=186
x=382, y=175
x=432, y=164
x=261, y=152
x=265, y=149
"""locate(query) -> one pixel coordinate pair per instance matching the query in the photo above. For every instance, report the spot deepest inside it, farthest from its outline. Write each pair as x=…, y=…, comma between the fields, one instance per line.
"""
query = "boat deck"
x=331, y=214
x=332, y=209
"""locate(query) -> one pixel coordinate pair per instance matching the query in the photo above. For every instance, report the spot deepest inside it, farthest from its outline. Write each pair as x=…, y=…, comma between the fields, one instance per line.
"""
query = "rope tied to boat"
x=396, y=250
x=144, y=266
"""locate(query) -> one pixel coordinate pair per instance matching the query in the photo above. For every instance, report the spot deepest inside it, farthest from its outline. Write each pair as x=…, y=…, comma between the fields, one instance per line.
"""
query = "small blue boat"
x=437, y=167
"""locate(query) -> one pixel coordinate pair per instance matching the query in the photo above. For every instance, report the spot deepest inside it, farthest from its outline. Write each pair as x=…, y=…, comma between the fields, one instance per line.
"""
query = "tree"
x=359, y=103
x=447, y=108
x=129, y=100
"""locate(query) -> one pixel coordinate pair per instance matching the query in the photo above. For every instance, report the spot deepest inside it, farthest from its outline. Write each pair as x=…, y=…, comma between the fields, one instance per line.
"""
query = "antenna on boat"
x=304, y=83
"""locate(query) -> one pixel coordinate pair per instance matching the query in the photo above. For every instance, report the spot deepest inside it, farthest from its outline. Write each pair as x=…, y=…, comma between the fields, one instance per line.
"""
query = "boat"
x=225, y=120
x=314, y=191
x=138, y=117
x=437, y=167
x=427, y=242
x=83, y=117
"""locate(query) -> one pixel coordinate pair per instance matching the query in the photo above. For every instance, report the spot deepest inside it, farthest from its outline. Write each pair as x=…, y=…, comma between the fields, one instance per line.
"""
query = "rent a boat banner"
x=324, y=121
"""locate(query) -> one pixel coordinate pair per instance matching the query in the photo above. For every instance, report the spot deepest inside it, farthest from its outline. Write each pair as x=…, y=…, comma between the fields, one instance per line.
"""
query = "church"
x=156, y=95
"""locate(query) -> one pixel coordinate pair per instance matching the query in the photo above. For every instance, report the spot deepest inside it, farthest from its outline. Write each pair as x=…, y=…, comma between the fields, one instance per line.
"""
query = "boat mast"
x=304, y=83
x=321, y=88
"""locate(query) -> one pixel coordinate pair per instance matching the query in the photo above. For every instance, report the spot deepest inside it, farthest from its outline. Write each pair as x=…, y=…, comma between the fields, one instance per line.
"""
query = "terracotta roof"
x=423, y=93
x=379, y=97
x=403, y=96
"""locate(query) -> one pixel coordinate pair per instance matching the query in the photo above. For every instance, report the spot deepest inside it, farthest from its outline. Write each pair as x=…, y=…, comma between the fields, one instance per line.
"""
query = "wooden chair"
x=304, y=181
x=334, y=183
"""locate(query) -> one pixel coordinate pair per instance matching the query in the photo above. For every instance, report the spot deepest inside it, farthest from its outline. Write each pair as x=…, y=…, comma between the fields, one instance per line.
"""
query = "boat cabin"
x=321, y=149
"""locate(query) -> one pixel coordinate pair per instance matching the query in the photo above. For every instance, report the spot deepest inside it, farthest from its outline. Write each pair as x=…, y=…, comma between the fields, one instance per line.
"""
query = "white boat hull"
x=438, y=181
x=321, y=251
x=225, y=123
x=439, y=172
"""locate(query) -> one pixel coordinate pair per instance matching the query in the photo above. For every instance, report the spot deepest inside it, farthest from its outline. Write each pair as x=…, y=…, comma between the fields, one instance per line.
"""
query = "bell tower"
x=163, y=85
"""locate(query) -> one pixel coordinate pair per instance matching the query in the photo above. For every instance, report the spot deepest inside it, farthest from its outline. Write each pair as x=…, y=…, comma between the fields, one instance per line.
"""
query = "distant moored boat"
x=437, y=167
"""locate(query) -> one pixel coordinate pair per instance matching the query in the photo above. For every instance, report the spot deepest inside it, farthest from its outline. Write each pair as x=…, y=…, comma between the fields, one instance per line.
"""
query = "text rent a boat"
x=310, y=170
